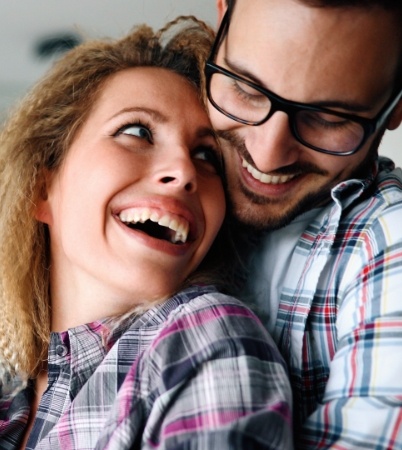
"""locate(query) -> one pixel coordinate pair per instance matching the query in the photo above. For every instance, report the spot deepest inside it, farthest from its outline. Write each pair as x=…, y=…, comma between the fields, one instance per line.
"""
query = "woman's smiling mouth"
x=157, y=223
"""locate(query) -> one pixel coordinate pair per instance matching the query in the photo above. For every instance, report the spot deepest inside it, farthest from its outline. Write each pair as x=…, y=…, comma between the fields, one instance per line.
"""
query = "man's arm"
x=362, y=404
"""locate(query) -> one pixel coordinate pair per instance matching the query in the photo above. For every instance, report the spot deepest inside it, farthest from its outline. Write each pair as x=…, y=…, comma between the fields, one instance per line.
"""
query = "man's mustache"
x=298, y=167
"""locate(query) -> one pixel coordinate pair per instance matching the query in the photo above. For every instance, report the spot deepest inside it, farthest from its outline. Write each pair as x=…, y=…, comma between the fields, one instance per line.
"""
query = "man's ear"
x=42, y=211
x=221, y=7
x=396, y=117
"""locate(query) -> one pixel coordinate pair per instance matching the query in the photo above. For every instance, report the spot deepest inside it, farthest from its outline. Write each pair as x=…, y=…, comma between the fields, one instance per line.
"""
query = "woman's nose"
x=178, y=173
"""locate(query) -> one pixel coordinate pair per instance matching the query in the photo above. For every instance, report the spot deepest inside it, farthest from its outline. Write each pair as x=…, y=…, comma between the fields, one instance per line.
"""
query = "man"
x=301, y=92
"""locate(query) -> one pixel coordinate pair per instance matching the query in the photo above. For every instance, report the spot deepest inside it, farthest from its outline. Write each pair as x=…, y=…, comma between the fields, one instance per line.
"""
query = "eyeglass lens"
x=319, y=129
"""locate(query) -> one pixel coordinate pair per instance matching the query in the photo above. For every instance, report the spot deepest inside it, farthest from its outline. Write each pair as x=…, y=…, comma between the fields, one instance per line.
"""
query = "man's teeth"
x=265, y=178
x=178, y=224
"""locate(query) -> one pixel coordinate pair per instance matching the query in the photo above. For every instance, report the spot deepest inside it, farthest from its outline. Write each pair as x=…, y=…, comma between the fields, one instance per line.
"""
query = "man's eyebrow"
x=339, y=104
x=238, y=70
x=157, y=116
x=348, y=106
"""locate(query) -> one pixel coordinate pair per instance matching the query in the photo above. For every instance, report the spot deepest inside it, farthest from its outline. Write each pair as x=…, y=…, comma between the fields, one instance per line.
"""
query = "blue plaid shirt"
x=339, y=323
x=195, y=372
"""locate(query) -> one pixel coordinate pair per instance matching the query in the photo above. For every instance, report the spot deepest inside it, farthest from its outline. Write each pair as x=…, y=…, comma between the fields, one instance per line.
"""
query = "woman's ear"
x=221, y=7
x=42, y=208
x=396, y=117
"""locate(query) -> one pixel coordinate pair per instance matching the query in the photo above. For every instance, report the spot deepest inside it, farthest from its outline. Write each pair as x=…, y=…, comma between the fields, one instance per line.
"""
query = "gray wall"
x=391, y=145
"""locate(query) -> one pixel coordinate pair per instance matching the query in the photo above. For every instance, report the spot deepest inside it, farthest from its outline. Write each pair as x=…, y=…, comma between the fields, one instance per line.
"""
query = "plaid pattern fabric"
x=196, y=372
x=339, y=325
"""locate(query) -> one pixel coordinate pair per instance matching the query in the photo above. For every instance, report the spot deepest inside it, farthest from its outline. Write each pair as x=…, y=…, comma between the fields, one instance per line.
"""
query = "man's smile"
x=264, y=177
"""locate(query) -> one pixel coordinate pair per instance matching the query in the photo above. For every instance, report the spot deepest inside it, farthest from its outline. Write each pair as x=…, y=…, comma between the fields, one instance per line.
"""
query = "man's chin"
x=261, y=214
x=262, y=218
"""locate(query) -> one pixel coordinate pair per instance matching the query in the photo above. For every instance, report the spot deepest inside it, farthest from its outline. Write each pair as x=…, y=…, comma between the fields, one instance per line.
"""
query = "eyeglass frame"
x=291, y=108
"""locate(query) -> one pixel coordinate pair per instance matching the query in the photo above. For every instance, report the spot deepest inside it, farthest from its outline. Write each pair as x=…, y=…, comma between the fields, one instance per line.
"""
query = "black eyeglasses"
x=318, y=128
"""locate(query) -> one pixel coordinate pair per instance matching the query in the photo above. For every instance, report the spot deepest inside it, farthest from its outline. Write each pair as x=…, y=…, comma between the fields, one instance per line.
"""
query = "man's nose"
x=271, y=144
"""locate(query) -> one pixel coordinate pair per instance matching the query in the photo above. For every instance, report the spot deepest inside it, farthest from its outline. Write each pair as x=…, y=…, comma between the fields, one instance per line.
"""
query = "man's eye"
x=210, y=156
x=137, y=130
x=248, y=94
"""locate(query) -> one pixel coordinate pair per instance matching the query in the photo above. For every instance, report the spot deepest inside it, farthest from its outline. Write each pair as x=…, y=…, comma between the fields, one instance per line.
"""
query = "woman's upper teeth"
x=165, y=219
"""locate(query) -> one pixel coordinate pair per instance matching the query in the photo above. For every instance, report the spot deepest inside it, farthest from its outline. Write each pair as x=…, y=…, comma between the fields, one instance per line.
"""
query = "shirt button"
x=61, y=350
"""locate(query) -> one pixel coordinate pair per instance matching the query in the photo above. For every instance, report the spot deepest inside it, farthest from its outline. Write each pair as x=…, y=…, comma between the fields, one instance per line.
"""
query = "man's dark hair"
x=387, y=4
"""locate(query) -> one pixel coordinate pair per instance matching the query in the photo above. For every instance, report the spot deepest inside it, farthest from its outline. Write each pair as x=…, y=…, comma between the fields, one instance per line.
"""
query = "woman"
x=111, y=197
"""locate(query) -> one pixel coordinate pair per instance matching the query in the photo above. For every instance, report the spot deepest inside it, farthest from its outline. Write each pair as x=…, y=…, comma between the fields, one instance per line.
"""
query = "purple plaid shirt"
x=339, y=323
x=196, y=372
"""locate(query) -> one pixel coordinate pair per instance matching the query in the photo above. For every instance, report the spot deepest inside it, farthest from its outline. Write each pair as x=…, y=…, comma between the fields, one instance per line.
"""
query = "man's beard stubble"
x=245, y=216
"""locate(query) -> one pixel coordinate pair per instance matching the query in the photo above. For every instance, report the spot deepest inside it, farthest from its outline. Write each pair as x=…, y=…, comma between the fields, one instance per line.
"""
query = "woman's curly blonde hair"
x=36, y=138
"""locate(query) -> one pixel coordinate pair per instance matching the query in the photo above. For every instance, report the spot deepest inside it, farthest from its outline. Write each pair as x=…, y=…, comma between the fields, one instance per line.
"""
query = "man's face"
x=343, y=59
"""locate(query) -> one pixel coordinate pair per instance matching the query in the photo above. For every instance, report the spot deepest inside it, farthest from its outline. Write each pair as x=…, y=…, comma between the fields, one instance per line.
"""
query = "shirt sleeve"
x=212, y=379
x=362, y=405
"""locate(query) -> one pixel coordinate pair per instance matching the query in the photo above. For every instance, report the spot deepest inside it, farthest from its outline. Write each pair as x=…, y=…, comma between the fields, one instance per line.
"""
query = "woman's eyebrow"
x=153, y=113
x=206, y=132
x=157, y=116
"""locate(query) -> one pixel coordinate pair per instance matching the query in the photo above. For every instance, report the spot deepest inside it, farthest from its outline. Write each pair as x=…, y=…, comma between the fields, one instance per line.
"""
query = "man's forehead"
x=378, y=9
x=293, y=46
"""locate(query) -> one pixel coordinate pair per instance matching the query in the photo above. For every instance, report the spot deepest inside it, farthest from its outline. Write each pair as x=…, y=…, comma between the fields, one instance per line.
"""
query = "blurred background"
x=35, y=32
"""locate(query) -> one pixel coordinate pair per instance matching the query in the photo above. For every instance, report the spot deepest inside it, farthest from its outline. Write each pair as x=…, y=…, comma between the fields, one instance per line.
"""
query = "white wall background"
x=391, y=145
x=23, y=23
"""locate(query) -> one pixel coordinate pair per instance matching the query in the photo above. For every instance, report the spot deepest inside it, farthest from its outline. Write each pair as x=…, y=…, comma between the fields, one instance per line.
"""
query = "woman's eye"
x=210, y=156
x=137, y=130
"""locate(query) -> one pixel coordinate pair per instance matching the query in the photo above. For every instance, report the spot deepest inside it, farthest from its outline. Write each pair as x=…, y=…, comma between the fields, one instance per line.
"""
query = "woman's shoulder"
x=202, y=301
x=210, y=323
x=206, y=304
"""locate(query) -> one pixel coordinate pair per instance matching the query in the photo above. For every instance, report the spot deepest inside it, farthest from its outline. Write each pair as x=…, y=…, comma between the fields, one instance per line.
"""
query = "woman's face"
x=138, y=200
